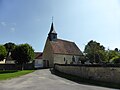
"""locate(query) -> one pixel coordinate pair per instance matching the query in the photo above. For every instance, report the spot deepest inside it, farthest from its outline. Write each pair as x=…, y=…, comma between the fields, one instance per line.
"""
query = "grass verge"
x=85, y=81
x=12, y=74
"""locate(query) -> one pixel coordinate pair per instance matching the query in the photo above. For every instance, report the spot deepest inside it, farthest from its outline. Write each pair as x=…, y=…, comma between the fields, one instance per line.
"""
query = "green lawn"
x=12, y=74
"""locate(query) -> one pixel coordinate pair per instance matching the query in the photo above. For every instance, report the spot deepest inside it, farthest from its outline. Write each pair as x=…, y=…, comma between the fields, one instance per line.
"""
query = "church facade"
x=59, y=51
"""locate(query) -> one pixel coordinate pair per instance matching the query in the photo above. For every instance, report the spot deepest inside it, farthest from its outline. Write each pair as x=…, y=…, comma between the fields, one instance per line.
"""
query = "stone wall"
x=105, y=74
x=59, y=58
x=48, y=53
x=29, y=66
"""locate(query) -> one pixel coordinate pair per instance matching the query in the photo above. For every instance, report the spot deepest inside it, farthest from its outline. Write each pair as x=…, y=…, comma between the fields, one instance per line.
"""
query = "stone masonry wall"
x=106, y=74
x=59, y=58
x=48, y=53
x=29, y=66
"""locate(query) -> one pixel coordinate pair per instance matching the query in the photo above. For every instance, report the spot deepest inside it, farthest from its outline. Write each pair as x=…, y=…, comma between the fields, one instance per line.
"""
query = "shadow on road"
x=83, y=80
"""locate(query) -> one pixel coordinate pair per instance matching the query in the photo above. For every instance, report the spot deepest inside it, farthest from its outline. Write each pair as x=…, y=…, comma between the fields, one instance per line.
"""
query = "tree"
x=116, y=49
x=116, y=60
x=3, y=52
x=9, y=47
x=82, y=59
x=113, y=55
x=22, y=54
x=94, y=51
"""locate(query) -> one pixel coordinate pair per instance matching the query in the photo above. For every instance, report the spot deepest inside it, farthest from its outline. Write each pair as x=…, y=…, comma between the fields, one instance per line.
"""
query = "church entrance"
x=45, y=63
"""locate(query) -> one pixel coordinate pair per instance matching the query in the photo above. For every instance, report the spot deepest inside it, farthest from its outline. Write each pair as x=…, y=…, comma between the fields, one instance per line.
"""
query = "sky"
x=79, y=21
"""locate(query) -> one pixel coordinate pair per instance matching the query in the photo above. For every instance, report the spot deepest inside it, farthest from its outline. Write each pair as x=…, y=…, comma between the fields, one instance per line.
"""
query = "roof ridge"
x=66, y=40
x=38, y=52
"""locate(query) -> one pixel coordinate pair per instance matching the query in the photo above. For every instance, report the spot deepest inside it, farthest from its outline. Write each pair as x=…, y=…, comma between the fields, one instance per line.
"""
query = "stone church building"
x=59, y=51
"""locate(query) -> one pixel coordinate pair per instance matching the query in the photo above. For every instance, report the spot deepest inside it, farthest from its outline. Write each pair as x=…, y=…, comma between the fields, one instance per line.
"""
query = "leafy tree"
x=22, y=54
x=113, y=55
x=82, y=59
x=116, y=49
x=116, y=60
x=3, y=52
x=103, y=55
x=9, y=47
x=94, y=51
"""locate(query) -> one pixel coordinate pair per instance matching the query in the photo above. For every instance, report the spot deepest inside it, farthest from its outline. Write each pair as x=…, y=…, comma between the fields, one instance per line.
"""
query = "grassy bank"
x=12, y=74
x=85, y=81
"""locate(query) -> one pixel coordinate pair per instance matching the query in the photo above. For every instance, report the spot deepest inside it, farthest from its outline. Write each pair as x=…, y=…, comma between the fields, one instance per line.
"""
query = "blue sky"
x=28, y=21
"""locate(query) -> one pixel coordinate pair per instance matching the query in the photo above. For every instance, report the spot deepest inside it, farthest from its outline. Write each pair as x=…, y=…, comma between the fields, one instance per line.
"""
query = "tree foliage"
x=94, y=52
x=116, y=49
x=23, y=53
x=9, y=47
x=113, y=55
x=3, y=52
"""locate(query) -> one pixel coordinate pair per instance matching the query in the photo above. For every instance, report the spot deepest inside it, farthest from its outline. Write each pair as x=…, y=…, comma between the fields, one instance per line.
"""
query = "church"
x=59, y=51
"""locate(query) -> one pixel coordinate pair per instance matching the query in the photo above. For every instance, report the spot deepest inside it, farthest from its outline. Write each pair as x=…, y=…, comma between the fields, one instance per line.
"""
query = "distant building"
x=8, y=60
x=38, y=60
x=2, y=62
x=59, y=51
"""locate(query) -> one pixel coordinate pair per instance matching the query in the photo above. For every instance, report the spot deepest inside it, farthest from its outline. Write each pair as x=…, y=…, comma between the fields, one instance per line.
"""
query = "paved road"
x=44, y=80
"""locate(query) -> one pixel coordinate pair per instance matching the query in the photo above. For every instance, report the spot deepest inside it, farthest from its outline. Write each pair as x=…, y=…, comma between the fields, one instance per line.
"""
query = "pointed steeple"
x=52, y=34
x=52, y=30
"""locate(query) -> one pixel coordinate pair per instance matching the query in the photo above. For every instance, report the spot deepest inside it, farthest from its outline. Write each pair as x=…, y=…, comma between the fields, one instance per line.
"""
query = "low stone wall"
x=105, y=74
x=29, y=66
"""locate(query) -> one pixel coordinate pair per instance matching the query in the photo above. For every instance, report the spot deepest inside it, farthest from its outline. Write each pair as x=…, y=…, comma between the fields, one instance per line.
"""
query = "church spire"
x=52, y=34
x=52, y=30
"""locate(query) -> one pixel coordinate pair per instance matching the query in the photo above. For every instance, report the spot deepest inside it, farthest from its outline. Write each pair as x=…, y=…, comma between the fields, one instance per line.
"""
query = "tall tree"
x=3, y=52
x=22, y=54
x=9, y=47
x=94, y=51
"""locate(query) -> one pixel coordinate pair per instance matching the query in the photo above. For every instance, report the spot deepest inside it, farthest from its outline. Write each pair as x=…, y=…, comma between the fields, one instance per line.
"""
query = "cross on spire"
x=52, y=18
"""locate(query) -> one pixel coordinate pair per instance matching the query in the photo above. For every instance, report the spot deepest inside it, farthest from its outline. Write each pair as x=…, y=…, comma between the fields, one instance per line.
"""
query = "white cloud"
x=3, y=24
x=8, y=26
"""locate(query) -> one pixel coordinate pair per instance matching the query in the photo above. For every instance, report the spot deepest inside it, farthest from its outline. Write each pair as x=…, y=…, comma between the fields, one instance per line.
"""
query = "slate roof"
x=52, y=30
x=38, y=55
x=65, y=47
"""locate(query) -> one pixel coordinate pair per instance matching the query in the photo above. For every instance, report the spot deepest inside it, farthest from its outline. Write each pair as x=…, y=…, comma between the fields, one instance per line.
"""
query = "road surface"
x=44, y=80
